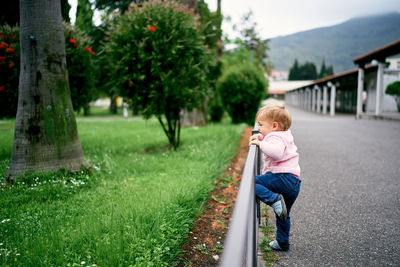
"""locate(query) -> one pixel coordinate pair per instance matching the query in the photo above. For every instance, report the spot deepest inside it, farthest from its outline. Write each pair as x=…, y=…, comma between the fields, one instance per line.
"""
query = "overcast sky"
x=282, y=17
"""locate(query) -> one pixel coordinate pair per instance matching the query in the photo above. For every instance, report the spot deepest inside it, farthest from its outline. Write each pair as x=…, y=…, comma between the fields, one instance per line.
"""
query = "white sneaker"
x=275, y=246
x=280, y=208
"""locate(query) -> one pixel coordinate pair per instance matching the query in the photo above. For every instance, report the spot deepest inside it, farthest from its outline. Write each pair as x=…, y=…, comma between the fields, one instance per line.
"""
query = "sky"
x=282, y=17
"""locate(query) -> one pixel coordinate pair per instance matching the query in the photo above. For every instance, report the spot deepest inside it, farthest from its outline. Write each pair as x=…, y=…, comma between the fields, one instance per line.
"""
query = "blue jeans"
x=268, y=186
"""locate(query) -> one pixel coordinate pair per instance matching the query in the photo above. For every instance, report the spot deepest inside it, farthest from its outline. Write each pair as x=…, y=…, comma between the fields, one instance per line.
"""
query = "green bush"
x=9, y=70
x=393, y=89
x=216, y=112
x=159, y=61
x=241, y=88
x=80, y=67
x=79, y=62
x=215, y=109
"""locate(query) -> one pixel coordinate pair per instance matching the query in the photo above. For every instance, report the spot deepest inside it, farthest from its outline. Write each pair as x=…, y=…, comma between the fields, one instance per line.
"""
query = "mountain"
x=337, y=44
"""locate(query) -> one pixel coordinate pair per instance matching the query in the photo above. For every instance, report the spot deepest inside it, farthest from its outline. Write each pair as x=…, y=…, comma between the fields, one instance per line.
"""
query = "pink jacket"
x=280, y=153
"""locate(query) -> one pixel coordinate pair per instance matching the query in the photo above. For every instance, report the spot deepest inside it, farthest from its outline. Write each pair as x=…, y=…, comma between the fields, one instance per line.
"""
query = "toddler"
x=279, y=185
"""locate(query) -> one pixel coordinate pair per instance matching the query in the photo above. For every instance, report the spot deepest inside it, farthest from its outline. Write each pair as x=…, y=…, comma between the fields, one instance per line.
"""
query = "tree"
x=329, y=71
x=242, y=87
x=120, y=5
x=9, y=12
x=393, y=89
x=192, y=4
x=250, y=34
x=219, y=30
x=294, y=71
x=80, y=59
x=84, y=16
x=65, y=8
x=307, y=71
x=9, y=70
x=322, y=71
x=46, y=135
x=325, y=71
x=159, y=61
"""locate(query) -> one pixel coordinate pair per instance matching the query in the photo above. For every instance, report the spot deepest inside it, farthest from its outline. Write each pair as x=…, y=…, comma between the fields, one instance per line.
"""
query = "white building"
x=343, y=92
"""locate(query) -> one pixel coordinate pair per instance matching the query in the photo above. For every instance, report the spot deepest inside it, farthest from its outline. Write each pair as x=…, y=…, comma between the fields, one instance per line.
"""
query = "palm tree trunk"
x=219, y=30
x=46, y=136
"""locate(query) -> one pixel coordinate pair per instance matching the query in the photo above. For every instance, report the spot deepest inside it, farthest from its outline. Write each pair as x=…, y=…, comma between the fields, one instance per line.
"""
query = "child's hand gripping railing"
x=241, y=244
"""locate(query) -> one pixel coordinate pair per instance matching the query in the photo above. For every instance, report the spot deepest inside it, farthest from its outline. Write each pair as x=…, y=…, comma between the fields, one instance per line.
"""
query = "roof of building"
x=380, y=54
x=343, y=77
x=281, y=87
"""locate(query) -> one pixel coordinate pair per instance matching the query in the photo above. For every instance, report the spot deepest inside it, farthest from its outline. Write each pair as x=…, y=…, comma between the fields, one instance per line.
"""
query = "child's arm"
x=273, y=147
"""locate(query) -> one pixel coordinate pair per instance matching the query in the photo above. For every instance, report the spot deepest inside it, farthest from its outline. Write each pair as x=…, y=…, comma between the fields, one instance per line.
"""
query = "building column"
x=360, y=88
x=301, y=98
x=333, y=99
x=318, y=99
x=325, y=100
x=379, y=89
x=313, y=99
x=308, y=99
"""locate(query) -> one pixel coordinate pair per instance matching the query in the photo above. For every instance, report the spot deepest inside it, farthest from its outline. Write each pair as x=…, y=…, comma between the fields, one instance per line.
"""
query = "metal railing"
x=241, y=244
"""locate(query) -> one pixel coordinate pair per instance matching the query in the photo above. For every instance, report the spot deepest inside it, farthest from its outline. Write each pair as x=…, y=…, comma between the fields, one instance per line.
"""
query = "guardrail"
x=241, y=244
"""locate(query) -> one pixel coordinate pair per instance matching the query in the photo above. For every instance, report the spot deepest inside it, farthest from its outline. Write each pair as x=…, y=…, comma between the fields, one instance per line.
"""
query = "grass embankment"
x=136, y=210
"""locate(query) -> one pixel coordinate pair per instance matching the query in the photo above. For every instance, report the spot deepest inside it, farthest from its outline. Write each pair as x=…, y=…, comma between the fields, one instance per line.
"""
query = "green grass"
x=137, y=209
x=269, y=256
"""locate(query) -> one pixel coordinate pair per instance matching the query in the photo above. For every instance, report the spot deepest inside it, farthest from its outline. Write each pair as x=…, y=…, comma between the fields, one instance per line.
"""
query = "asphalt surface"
x=348, y=210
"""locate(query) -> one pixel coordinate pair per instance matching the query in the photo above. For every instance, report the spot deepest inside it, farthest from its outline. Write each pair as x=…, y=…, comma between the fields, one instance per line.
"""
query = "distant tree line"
x=308, y=71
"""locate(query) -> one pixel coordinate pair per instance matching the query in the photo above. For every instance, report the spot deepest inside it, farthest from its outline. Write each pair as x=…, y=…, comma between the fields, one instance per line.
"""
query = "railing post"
x=257, y=171
x=257, y=219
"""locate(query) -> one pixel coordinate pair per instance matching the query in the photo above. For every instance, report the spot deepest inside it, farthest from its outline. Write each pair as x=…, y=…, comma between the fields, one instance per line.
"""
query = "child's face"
x=267, y=126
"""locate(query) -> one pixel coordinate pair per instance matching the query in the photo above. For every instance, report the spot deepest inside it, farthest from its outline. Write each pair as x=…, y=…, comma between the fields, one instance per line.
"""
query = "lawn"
x=136, y=209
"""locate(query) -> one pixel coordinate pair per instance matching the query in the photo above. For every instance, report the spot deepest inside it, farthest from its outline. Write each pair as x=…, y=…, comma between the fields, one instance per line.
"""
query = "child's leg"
x=291, y=188
x=267, y=187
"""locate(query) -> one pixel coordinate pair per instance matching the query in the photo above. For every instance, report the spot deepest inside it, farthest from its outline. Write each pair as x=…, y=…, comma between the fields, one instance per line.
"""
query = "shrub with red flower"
x=3, y=45
x=161, y=73
x=79, y=63
x=10, y=50
x=9, y=70
x=80, y=66
x=89, y=50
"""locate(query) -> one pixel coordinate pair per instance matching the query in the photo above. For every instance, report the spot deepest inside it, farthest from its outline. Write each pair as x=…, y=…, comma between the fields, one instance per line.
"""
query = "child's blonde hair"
x=275, y=112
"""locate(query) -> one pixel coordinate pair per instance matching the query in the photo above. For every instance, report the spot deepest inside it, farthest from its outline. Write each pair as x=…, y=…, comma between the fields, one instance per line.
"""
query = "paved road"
x=348, y=210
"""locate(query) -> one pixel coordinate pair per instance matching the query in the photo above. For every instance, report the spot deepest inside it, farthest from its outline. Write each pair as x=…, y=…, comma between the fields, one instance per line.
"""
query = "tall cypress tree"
x=322, y=71
x=84, y=16
x=329, y=71
x=65, y=7
x=294, y=71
